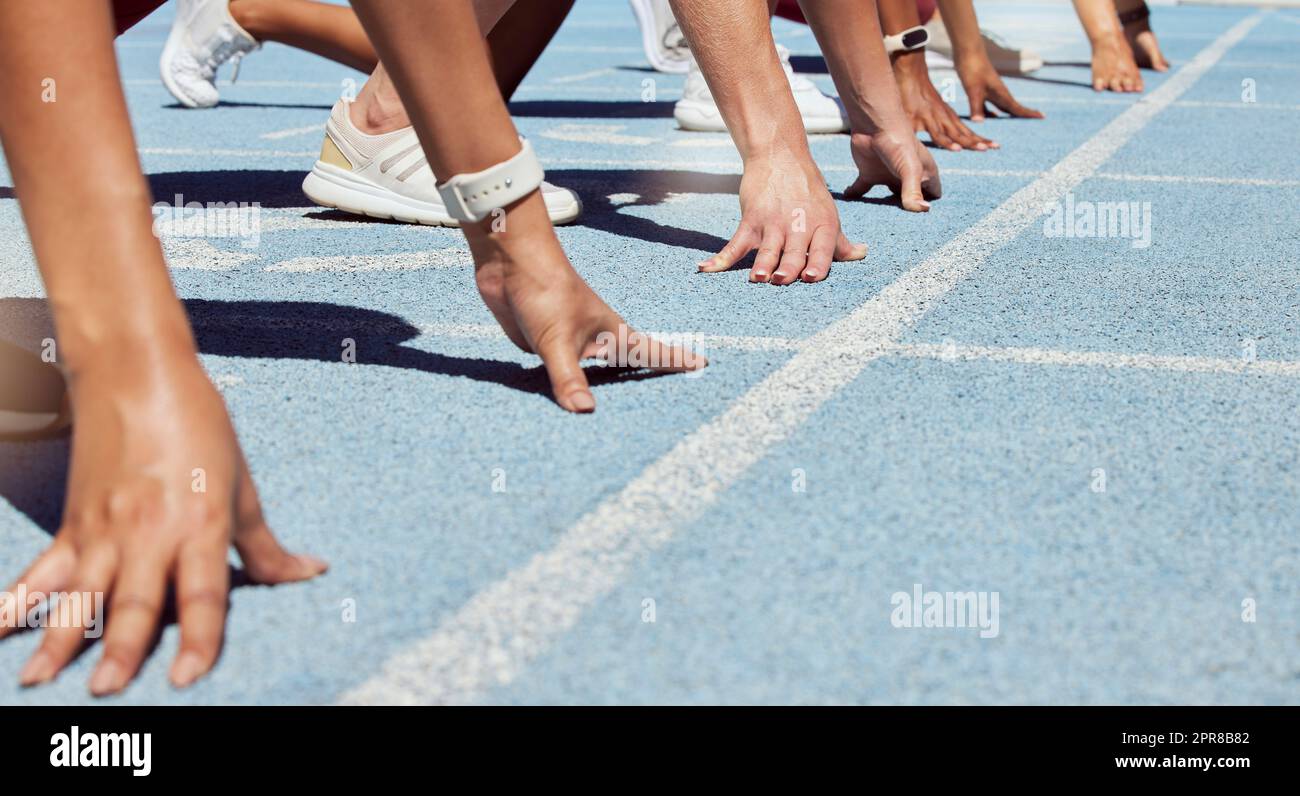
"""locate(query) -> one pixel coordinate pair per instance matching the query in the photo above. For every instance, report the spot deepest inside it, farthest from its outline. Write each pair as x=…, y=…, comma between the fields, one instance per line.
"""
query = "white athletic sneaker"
x=387, y=176
x=696, y=110
x=1006, y=59
x=664, y=44
x=204, y=36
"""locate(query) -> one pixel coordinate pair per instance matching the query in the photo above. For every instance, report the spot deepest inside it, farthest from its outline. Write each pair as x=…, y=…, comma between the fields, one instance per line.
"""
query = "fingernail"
x=37, y=671
x=860, y=250
x=582, y=401
x=757, y=276
x=810, y=273
x=706, y=263
x=187, y=669
x=317, y=565
x=109, y=678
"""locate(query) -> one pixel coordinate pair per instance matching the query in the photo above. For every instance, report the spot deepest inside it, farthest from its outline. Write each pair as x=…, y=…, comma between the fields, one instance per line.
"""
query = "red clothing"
x=790, y=10
x=128, y=12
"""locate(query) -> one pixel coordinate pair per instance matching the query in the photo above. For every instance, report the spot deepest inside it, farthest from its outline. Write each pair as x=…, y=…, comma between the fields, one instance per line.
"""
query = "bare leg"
x=329, y=31
x=517, y=37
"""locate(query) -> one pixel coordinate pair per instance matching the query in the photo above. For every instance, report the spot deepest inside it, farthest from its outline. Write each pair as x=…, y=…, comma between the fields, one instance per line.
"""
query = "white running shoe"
x=204, y=36
x=387, y=176
x=1006, y=59
x=662, y=38
x=696, y=110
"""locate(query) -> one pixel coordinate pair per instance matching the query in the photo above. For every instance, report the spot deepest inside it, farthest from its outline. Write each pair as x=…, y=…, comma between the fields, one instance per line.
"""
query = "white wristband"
x=908, y=40
x=473, y=197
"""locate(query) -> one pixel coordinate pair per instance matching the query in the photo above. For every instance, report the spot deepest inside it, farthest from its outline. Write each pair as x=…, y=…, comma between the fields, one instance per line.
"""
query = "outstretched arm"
x=1113, y=66
x=922, y=102
x=786, y=211
x=884, y=145
x=436, y=57
x=150, y=428
x=978, y=77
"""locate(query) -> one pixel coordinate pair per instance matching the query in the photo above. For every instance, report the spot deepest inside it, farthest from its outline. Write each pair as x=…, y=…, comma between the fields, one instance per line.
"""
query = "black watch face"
x=915, y=38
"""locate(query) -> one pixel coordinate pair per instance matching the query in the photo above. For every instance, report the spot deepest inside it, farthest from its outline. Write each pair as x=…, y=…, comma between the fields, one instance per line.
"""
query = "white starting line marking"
x=493, y=637
x=293, y=132
x=406, y=261
x=609, y=70
x=1098, y=359
x=948, y=352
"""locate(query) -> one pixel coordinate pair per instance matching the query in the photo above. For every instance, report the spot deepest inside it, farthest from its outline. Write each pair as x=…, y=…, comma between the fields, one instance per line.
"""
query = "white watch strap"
x=907, y=40
x=473, y=197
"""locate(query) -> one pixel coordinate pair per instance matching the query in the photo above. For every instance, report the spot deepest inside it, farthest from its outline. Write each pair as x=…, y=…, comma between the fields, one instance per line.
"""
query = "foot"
x=33, y=398
x=387, y=176
x=697, y=111
x=204, y=36
x=1007, y=60
x=665, y=46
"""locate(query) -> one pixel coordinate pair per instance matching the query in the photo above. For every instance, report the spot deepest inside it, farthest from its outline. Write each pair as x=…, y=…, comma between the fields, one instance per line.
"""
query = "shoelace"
x=227, y=50
x=673, y=39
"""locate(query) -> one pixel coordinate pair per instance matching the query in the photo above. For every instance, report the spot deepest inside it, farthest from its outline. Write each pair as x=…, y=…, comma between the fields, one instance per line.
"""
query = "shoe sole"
x=331, y=186
x=645, y=18
x=168, y=53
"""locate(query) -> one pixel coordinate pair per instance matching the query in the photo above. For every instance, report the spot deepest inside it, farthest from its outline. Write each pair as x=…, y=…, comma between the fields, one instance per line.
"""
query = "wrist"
x=514, y=237
x=122, y=341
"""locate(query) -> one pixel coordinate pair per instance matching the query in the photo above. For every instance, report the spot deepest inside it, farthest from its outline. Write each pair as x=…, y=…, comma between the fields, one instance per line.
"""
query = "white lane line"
x=405, y=261
x=1259, y=106
x=1098, y=359
x=948, y=352
x=227, y=153
x=1251, y=181
x=151, y=82
x=474, y=331
x=490, y=640
x=197, y=254
x=292, y=132
x=584, y=76
x=611, y=134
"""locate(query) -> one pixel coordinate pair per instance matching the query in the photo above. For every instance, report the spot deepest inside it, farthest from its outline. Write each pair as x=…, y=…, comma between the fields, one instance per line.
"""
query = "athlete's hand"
x=900, y=162
x=546, y=308
x=928, y=110
x=1142, y=42
x=158, y=491
x=786, y=213
x=1113, y=67
x=984, y=86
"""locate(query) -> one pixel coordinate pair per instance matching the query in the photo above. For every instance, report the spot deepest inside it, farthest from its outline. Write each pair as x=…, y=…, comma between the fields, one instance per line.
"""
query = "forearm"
x=72, y=155
x=1099, y=19
x=460, y=116
x=850, y=39
x=963, y=29
x=732, y=41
